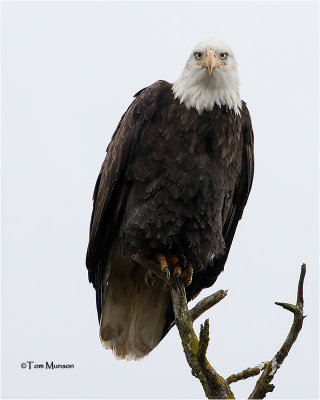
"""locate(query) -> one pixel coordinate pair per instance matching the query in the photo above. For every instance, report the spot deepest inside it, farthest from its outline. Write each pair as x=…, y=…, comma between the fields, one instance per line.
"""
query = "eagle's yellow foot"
x=176, y=271
x=188, y=274
x=163, y=264
x=173, y=260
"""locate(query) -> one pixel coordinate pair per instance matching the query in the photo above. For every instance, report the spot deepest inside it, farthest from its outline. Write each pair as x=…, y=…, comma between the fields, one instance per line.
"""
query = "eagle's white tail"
x=133, y=314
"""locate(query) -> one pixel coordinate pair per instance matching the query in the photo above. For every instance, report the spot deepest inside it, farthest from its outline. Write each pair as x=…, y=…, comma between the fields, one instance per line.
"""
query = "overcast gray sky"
x=65, y=87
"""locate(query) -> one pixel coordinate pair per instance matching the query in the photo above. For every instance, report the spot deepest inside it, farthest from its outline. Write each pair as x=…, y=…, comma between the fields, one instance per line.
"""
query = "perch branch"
x=207, y=303
x=195, y=349
x=204, y=305
x=263, y=385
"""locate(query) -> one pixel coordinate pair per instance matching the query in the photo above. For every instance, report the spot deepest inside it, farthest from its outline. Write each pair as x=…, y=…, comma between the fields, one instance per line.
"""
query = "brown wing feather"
x=111, y=189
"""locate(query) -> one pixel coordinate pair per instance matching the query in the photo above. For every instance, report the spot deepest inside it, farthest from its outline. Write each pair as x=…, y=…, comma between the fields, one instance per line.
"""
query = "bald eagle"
x=168, y=198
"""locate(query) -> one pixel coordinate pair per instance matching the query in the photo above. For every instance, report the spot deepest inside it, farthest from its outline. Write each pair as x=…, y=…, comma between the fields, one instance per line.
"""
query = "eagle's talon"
x=176, y=277
x=146, y=279
x=163, y=265
x=136, y=257
x=184, y=260
x=149, y=277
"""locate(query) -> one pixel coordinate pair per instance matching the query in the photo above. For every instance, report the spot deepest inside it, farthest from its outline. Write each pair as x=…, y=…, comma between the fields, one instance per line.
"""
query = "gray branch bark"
x=204, y=305
x=246, y=373
x=195, y=349
x=214, y=385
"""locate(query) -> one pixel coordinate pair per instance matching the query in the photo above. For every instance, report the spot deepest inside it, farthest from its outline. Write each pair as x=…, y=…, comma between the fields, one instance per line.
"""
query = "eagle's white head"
x=209, y=78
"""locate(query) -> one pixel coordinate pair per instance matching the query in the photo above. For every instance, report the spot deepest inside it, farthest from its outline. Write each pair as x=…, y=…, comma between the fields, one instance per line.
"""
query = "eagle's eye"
x=198, y=55
x=223, y=56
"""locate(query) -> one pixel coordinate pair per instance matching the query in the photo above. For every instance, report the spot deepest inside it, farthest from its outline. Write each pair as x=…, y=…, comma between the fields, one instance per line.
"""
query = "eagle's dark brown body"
x=174, y=181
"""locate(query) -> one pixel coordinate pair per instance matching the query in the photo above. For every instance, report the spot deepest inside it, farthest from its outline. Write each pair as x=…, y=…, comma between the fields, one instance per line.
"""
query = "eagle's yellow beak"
x=210, y=61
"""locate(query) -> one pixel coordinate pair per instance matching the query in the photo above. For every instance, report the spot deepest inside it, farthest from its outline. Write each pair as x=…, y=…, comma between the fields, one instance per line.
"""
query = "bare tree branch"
x=263, y=385
x=204, y=305
x=207, y=303
x=214, y=385
x=246, y=373
x=195, y=350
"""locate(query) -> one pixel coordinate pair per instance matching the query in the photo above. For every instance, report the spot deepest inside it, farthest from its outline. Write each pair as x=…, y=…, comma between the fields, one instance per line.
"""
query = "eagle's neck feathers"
x=203, y=92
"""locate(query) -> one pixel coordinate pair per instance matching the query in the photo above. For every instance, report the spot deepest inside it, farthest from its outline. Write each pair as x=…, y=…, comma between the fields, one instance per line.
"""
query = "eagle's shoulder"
x=245, y=114
x=158, y=87
x=146, y=102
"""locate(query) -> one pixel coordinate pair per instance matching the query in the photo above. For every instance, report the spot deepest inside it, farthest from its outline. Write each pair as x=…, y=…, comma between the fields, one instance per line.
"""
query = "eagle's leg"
x=163, y=264
x=188, y=274
x=184, y=260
